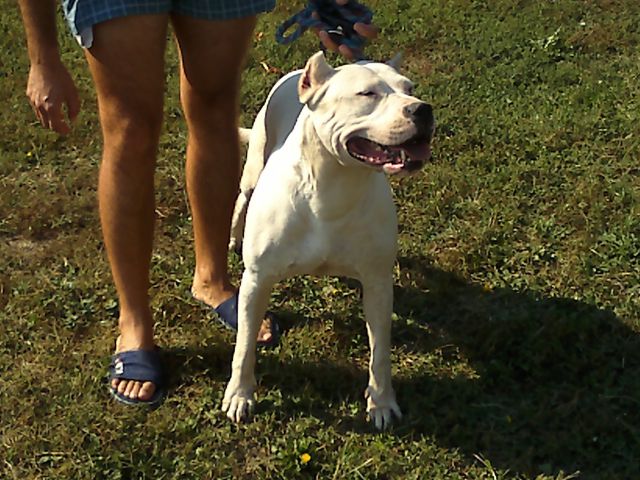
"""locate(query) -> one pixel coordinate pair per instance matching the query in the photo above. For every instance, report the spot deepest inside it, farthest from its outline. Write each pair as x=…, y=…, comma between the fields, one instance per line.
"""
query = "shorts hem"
x=82, y=16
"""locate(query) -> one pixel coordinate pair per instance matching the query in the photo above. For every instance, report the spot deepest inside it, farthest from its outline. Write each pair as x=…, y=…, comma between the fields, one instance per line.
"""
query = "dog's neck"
x=334, y=189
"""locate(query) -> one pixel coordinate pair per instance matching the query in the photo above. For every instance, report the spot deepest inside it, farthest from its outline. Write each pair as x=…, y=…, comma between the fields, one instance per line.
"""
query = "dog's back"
x=267, y=133
x=265, y=137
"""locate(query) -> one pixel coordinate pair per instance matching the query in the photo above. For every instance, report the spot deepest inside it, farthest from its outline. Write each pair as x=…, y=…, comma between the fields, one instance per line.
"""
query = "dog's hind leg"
x=253, y=299
x=237, y=221
x=378, y=307
x=270, y=129
x=257, y=143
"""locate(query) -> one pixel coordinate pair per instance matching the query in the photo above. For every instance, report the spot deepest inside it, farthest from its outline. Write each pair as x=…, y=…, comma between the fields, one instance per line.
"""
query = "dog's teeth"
x=403, y=156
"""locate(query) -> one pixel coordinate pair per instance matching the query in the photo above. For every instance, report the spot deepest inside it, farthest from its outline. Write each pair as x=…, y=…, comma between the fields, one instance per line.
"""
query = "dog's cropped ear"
x=396, y=61
x=315, y=74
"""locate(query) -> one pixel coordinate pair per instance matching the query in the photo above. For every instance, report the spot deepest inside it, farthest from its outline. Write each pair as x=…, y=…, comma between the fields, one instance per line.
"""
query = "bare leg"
x=127, y=64
x=209, y=89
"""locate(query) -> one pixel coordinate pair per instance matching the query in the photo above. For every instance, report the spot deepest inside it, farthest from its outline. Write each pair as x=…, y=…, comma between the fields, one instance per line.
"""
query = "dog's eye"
x=367, y=93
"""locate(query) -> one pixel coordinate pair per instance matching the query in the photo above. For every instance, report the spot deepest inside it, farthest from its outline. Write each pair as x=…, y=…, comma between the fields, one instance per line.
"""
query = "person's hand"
x=368, y=31
x=50, y=88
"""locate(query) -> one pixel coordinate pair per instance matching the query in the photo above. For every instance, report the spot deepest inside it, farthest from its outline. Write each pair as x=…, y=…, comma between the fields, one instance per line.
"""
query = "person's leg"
x=127, y=64
x=212, y=55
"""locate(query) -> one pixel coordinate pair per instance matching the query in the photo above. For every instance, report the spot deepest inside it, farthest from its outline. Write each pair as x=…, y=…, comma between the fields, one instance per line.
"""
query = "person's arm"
x=40, y=25
x=49, y=86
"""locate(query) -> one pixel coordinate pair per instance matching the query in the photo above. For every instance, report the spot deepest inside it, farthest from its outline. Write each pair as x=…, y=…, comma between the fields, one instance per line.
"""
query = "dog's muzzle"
x=408, y=156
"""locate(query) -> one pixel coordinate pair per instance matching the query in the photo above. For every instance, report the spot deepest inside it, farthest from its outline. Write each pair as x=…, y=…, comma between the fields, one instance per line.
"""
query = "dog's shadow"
x=553, y=383
x=532, y=385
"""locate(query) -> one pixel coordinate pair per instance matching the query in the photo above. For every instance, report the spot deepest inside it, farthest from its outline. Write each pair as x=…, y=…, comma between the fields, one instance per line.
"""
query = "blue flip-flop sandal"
x=141, y=366
x=227, y=315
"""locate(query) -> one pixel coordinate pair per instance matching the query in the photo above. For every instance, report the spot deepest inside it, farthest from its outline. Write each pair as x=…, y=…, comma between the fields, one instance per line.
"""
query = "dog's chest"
x=346, y=246
x=296, y=228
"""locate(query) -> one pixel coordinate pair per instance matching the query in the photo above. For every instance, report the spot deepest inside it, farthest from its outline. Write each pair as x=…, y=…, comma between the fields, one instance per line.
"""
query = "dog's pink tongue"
x=368, y=149
x=417, y=151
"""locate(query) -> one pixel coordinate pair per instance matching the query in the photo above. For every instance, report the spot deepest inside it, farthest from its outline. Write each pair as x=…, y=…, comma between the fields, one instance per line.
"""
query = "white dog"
x=320, y=203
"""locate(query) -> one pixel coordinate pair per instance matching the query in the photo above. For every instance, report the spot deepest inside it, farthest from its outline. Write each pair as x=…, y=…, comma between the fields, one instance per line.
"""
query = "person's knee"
x=132, y=136
x=214, y=101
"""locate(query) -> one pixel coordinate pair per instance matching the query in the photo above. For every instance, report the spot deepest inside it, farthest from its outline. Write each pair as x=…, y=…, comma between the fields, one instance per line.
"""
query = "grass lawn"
x=517, y=310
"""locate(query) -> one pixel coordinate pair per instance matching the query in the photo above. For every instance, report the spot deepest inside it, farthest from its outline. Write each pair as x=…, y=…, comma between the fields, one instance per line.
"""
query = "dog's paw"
x=381, y=408
x=382, y=417
x=238, y=403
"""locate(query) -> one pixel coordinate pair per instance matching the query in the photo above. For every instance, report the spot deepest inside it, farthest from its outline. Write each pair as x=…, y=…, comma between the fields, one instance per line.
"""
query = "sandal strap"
x=137, y=365
x=228, y=311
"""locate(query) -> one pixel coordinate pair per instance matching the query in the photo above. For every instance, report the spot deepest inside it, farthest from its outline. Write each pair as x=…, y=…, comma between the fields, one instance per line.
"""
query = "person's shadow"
x=531, y=385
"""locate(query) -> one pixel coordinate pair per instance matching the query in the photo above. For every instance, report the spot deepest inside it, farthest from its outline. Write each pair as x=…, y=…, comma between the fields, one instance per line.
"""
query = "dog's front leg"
x=378, y=307
x=253, y=298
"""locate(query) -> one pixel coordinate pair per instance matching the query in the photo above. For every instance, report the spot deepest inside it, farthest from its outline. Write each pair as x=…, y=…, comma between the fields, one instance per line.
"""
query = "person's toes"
x=135, y=390
x=122, y=386
x=132, y=389
x=264, y=337
x=265, y=334
x=146, y=391
x=130, y=385
x=114, y=383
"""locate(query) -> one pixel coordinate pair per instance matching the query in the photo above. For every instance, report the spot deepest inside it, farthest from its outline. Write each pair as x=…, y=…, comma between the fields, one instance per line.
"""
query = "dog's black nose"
x=422, y=115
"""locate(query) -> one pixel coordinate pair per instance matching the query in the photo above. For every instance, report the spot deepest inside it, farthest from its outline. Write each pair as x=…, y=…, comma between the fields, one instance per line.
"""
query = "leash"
x=336, y=20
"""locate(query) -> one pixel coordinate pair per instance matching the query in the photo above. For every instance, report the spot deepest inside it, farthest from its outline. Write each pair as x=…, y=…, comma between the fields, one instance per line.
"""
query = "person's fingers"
x=326, y=40
x=51, y=116
x=73, y=105
x=53, y=97
x=367, y=30
x=37, y=113
x=56, y=119
x=41, y=112
x=346, y=52
x=329, y=44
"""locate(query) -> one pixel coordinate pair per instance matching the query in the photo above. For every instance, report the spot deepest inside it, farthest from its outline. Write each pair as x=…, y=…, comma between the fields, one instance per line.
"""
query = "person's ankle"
x=211, y=292
x=136, y=333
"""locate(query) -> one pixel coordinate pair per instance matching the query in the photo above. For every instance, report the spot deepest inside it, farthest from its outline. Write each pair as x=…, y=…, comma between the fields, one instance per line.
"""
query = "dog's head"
x=365, y=114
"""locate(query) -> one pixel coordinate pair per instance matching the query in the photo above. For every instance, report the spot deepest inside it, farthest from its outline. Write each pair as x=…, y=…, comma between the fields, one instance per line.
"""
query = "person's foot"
x=215, y=298
x=132, y=389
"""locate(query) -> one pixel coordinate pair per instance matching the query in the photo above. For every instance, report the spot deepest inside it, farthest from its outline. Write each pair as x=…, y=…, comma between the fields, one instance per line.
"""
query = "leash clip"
x=336, y=34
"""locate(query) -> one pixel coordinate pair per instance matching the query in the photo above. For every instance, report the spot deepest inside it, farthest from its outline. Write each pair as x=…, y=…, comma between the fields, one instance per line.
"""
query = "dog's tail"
x=245, y=134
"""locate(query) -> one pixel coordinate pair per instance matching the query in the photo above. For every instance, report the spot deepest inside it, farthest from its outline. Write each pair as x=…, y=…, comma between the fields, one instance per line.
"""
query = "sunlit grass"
x=516, y=349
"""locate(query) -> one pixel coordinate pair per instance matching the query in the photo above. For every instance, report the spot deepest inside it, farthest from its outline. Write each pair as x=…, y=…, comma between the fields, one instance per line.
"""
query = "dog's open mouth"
x=408, y=156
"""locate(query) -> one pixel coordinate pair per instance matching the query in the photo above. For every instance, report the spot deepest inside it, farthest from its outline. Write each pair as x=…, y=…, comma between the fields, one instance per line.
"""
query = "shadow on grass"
x=556, y=383
x=183, y=363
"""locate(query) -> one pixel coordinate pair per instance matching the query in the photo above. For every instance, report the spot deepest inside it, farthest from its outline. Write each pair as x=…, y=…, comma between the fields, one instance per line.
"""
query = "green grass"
x=517, y=313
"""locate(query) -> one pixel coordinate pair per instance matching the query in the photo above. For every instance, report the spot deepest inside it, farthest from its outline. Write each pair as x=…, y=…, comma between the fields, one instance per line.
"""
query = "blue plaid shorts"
x=81, y=15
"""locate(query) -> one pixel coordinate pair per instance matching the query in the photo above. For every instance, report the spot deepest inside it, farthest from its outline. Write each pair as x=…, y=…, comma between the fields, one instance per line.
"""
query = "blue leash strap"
x=336, y=20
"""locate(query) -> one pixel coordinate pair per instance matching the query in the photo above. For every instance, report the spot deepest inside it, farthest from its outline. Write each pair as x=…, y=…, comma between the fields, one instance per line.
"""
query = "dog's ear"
x=315, y=74
x=396, y=61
